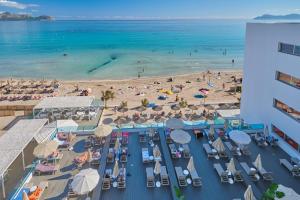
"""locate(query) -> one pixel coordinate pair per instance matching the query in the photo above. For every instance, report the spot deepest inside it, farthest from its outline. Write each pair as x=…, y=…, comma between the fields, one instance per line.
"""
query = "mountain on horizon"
x=280, y=17
x=7, y=16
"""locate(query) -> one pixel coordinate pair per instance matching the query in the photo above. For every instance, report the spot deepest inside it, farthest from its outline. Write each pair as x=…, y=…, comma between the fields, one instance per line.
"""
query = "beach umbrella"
x=174, y=123
x=218, y=145
x=117, y=145
x=175, y=107
x=103, y=131
x=239, y=137
x=248, y=195
x=156, y=152
x=231, y=166
x=257, y=163
x=180, y=137
x=191, y=166
x=24, y=196
x=266, y=131
x=85, y=181
x=211, y=130
x=157, y=108
x=115, y=170
x=157, y=167
x=45, y=149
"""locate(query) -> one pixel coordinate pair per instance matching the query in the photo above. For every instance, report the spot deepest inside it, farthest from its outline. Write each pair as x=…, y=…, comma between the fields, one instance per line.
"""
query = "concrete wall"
x=260, y=86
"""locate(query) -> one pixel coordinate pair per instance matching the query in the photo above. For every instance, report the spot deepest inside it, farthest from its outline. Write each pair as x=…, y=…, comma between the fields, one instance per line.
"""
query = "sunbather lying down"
x=82, y=158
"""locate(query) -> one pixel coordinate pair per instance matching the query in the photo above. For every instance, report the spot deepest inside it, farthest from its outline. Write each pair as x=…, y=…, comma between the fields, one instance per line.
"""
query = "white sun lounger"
x=222, y=174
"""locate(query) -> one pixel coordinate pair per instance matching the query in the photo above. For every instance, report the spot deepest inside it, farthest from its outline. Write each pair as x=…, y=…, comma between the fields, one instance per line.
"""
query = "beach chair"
x=208, y=150
x=222, y=174
x=180, y=177
x=246, y=151
x=150, y=177
x=196, y=179
x=232, y=149
x=145, y=155
x=110, y=156
x=267, y=176
x=107, y=179
x=164, y=177
x=174, y=152
x=186, y=151
x=123, y=158
x=223, y=154
x=293, y=169
x=41, y=169
x=259, y=140
x=122, y=179
x=156, y=136
x=237, y=176
x=142, y=137
x=252, y=173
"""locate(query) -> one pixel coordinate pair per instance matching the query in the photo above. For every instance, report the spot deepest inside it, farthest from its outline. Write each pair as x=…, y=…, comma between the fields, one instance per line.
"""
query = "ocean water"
x=119, y=49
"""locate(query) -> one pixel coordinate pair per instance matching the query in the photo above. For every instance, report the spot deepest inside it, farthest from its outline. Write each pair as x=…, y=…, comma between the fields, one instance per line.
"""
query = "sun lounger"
x=156, y=136
x=196, y=179
x=186, y=151
x=223, y=154
x=222, y=174
x=122, y=179
x=123, y=158
x=267, y=176
x=252, y=173
x=180, y=177
x=143, y=137
x=168, y=139
x=145, y=155
x=259, y=140
x=110, y=155
x=293, y=169
x=164, y=177
x=237, y=176
x=150, y=177
x=245, y=151
x=107, y=179
x=208, y=150
x=174, y=152
x=46, y=169
x=232, y=149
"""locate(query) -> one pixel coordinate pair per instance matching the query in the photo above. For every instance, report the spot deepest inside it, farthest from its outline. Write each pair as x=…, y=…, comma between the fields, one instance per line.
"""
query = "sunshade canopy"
x=240, y=137
x=85, y=181
x=218, y=145
x=180, y=136
x=45, y=149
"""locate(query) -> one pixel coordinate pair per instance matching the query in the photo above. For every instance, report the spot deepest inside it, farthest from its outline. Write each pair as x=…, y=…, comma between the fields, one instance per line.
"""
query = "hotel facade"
x=271, y=83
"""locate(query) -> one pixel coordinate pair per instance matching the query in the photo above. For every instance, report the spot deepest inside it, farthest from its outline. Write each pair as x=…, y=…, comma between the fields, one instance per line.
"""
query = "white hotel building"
x=271, y=83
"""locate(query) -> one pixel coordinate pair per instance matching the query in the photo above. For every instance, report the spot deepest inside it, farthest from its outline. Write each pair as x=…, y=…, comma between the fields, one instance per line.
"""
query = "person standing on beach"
x=223, y=85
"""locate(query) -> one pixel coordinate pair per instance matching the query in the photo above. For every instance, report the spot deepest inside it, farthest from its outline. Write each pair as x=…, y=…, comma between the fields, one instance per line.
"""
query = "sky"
x=150, y=9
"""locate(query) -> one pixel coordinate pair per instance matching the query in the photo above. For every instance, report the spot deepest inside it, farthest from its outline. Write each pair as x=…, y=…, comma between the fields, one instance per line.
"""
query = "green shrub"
x=279, y=195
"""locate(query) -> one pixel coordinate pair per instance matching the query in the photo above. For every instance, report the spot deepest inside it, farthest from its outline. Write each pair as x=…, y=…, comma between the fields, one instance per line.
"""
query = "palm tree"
x=145, y=103
x=106, y=96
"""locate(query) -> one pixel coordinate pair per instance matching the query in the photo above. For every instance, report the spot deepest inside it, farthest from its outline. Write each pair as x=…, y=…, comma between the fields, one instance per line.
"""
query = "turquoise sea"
x=119, y=49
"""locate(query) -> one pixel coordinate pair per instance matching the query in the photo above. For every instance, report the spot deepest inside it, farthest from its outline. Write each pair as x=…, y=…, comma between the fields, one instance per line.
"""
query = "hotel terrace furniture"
x=168, y=138
x=164, y=177
x=122, y=179
x=180, y=177
x=110, y=155
x=196, y=179
x=107, y=179
x=252, y=173
x=156, y=136
x=174, y=152
x=222, y=174
x=145, y=155
x=208, y=150
x=198, y=133
x=233, y=149
x=46, y=169
x=150, y=177
x=245, y=151
x=267, y=176
x=293, y=169
x=123, y=154
x=237, y=175
x=186, y=151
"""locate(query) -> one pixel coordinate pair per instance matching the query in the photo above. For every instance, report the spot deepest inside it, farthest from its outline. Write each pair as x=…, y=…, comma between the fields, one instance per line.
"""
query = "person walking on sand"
x=223, y=86
x=177, y=98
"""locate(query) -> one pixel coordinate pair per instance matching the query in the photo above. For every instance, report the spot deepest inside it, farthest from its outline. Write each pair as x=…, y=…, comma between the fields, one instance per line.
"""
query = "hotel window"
x=289, y=49
x=291, y=112
x=285, y=137
x=288, y=79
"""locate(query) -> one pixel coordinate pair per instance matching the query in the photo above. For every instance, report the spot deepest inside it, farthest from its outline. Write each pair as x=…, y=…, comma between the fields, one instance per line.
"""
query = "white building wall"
x=260, y=86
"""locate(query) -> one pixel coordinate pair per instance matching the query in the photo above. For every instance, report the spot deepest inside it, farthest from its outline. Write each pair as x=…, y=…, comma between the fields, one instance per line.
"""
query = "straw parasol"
x=24, y=196
x=157, y=108
x=211, y=130
x=156, y=152
x=191, y=166
x=174, y=123
x=180, y=137
x=257, y=163
x=231, y=166
x=116, y=170
x=157, y=168
x=175, y=107
x=218, y=145
x=103, y=131
x=85, y=181
x=117, y=145
x=45, y=149
x=248, y=195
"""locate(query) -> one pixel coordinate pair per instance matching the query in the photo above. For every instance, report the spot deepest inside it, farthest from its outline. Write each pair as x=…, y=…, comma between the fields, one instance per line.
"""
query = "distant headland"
x=7, y=16
x=278, y=17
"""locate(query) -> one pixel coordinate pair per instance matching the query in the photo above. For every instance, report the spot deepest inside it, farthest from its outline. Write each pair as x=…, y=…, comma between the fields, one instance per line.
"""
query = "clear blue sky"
x=131, y=9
